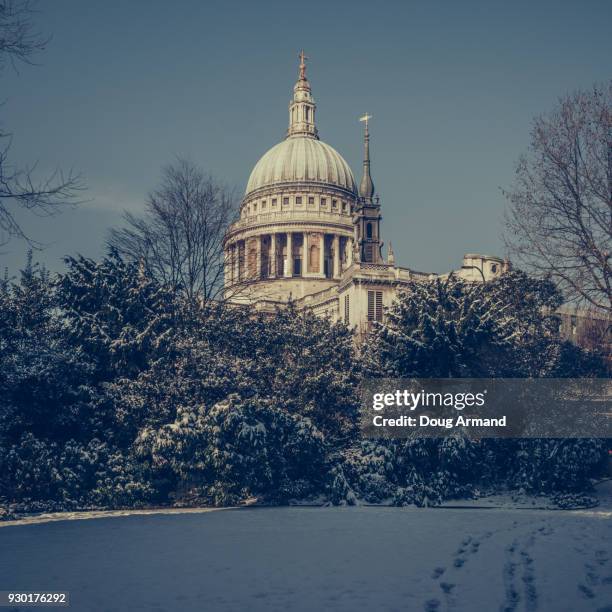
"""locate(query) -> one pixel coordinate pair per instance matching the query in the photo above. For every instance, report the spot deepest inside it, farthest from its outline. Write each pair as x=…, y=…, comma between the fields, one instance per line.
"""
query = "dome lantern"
x=302, y=107
x=302, y=158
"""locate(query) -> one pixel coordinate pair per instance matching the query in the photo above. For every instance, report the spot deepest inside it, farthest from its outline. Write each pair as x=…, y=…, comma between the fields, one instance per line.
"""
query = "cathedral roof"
x=302, y=157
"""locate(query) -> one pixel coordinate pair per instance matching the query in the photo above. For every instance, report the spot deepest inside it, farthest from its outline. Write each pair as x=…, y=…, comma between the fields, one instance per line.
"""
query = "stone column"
x=306, y=254
x=229, y=264
x=272, y=257
x=336, y=248
x=322, y=254
x=227, y=270
x=289, y=258
x=258, y=257
x=236, y=262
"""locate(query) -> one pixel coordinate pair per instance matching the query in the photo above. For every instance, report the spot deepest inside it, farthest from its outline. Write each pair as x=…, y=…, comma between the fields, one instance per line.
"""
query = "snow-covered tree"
x=113, y=392
x=304, y=363
x=309, y=364
x=240, y=449
x=452, y=328
x=44, y=386
x=115, y=313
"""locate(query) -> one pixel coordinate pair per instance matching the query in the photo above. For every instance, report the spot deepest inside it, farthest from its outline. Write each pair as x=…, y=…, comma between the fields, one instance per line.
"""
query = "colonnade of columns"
x=287, y=255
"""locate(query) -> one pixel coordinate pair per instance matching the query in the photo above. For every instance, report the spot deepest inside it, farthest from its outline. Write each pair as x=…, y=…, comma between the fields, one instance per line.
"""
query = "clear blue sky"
x=124, y=87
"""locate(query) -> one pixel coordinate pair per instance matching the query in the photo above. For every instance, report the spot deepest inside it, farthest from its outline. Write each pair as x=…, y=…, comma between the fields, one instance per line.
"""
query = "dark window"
x=311, y=200
x=297, y=267
x=375, y=307
x=265, y=266
x=346, y=309
x=298, y=201
x=285, y=201
x=369, y=230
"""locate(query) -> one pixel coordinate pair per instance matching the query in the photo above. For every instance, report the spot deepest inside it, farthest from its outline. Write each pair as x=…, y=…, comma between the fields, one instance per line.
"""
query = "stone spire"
x=302, y=107
x=367, y=210
x=390, y=255
x=366, y=187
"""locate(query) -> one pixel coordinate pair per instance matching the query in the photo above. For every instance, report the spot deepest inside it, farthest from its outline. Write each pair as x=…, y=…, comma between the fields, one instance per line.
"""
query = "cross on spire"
x=303, y=57
x=366, y=118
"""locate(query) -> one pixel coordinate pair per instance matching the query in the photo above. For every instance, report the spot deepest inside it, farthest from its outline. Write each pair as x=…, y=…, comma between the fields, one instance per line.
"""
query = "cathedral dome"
x=302, y=159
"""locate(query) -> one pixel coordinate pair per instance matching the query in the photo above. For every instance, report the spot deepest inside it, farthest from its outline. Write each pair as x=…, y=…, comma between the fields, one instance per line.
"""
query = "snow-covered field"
x=362, y=558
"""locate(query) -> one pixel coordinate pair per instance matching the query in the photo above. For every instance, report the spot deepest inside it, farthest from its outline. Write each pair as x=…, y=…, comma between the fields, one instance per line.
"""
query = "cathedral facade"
x=307, y=233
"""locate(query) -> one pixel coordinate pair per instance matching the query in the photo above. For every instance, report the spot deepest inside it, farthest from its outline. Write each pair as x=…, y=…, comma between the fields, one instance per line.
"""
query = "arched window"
x=369, y=230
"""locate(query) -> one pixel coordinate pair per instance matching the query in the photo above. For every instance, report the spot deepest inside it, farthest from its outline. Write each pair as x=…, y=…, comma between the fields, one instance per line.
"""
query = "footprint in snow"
x=432, y=605
x=588, y=593
x=592, y=578
x=438, y=571
x=601, y=556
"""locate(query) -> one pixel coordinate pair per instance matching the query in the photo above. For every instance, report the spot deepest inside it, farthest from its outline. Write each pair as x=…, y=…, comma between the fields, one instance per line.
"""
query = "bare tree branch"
x=19, y=188
x=19, y=40
x=559, y=214
x=179, y=238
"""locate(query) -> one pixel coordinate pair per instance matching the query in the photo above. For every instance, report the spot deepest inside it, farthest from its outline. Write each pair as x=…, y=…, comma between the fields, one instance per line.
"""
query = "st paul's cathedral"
x=307, y=233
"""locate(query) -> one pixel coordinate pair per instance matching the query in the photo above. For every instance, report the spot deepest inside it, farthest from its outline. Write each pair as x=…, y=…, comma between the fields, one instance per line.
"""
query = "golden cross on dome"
x=366, y=118
x=303, y=59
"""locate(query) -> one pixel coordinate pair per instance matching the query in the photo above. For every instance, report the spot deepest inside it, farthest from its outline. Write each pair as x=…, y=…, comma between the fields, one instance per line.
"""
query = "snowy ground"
x=321, y=559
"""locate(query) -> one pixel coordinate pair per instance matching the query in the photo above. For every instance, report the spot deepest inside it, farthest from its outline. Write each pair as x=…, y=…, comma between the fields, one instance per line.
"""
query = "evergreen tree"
x=44, y=386
x=116, y=314
x=304, y=363
x=452, y=328
x=240, y=449
x=504, y=328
